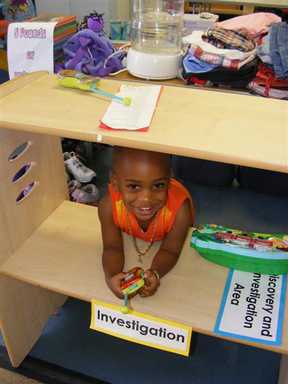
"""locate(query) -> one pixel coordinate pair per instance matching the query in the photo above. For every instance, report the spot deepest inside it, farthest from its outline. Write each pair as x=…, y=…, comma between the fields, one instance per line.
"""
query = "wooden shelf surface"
x=231, y=128
x=64, y=255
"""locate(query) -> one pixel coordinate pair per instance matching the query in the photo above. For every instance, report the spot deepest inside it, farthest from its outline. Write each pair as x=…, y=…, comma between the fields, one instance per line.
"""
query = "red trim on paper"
x=104, y=126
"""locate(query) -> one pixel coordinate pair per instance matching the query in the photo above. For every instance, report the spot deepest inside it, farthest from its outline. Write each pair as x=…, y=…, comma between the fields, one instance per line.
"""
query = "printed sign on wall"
x=141, y=328
x=30, y=47
x=252, y=307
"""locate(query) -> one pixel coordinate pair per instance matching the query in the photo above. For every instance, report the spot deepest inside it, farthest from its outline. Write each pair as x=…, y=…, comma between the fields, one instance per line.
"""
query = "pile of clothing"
x=226, y=55
x=271, y=80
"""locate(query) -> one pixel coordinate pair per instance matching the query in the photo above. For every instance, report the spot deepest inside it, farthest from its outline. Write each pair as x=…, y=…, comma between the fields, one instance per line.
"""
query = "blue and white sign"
x=252, y=307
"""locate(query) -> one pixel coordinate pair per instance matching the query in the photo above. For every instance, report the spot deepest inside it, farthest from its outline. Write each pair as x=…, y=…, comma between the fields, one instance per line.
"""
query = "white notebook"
x=136, y=116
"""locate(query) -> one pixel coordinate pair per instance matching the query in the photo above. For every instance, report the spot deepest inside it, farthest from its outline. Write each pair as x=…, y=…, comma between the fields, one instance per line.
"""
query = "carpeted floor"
x=8, y=377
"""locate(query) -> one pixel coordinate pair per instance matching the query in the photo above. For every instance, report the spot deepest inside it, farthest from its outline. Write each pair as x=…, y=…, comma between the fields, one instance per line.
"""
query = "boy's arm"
x=113, y=255
x=170, y=249
x=169, y=252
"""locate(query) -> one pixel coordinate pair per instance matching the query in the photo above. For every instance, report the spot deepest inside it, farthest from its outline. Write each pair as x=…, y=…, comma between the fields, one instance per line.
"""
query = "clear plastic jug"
x=156, y=36
x=157, y=26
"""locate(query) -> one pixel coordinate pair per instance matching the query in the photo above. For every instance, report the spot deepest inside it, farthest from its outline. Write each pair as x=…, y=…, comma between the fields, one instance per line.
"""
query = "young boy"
x=145, y=202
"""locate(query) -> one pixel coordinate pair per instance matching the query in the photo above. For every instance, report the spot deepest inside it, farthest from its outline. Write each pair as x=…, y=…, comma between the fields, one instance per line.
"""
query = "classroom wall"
x=112, y=9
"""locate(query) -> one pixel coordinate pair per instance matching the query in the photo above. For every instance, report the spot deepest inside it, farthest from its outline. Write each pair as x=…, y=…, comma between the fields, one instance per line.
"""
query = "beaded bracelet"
x=155, y=273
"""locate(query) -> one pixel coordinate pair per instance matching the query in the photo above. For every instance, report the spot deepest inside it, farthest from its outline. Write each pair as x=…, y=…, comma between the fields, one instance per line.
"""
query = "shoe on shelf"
x=72, y=185
x=88, y=194
x=77, y=168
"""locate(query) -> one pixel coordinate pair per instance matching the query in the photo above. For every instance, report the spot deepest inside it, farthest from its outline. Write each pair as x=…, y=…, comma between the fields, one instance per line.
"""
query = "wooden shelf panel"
x=64, y=255
x=238, y=129
x=262, y=3
x=221, y=9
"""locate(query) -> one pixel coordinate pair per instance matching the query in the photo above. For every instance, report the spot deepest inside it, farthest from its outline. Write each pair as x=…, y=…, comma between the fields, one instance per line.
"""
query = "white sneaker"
x=78, y=169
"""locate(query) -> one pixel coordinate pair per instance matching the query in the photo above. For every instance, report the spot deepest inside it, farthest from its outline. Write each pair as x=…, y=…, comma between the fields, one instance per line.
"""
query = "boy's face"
x=143, y=179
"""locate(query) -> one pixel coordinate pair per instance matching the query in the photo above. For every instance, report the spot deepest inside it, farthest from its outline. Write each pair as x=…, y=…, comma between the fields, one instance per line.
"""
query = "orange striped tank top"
x=163, y=221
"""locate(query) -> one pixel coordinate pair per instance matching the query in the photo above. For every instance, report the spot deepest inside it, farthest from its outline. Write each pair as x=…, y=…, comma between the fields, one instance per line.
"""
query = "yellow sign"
x=141, y=328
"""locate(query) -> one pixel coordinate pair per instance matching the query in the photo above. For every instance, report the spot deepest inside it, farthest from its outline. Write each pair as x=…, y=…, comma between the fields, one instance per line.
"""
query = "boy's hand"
x=114, y=283
x=152, y=283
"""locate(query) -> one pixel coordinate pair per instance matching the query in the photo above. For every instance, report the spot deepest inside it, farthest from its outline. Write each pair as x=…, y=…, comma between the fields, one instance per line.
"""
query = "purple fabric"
x=95, y=23
x=87, y=51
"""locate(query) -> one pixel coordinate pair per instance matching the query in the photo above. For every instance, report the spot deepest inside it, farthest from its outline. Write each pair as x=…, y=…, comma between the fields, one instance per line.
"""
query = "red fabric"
x=266, y=76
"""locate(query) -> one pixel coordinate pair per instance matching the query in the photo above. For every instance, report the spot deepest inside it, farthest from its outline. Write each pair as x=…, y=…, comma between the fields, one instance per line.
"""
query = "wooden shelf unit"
x=231, y=7
x=260, y=3
x=64, y=255
x=50, y=248
x=219, y=8
x=218, y=126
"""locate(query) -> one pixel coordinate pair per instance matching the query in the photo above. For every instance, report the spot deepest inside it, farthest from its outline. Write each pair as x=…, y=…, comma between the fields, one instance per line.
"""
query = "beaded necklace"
x=140, y=252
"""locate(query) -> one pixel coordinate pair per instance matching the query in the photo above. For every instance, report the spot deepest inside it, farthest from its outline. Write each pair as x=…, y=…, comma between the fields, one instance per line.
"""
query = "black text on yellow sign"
x=141, y=328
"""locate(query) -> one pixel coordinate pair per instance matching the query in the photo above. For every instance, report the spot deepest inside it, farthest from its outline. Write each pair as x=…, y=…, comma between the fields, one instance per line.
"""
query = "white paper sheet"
x=30, y=47
x=136, y=116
